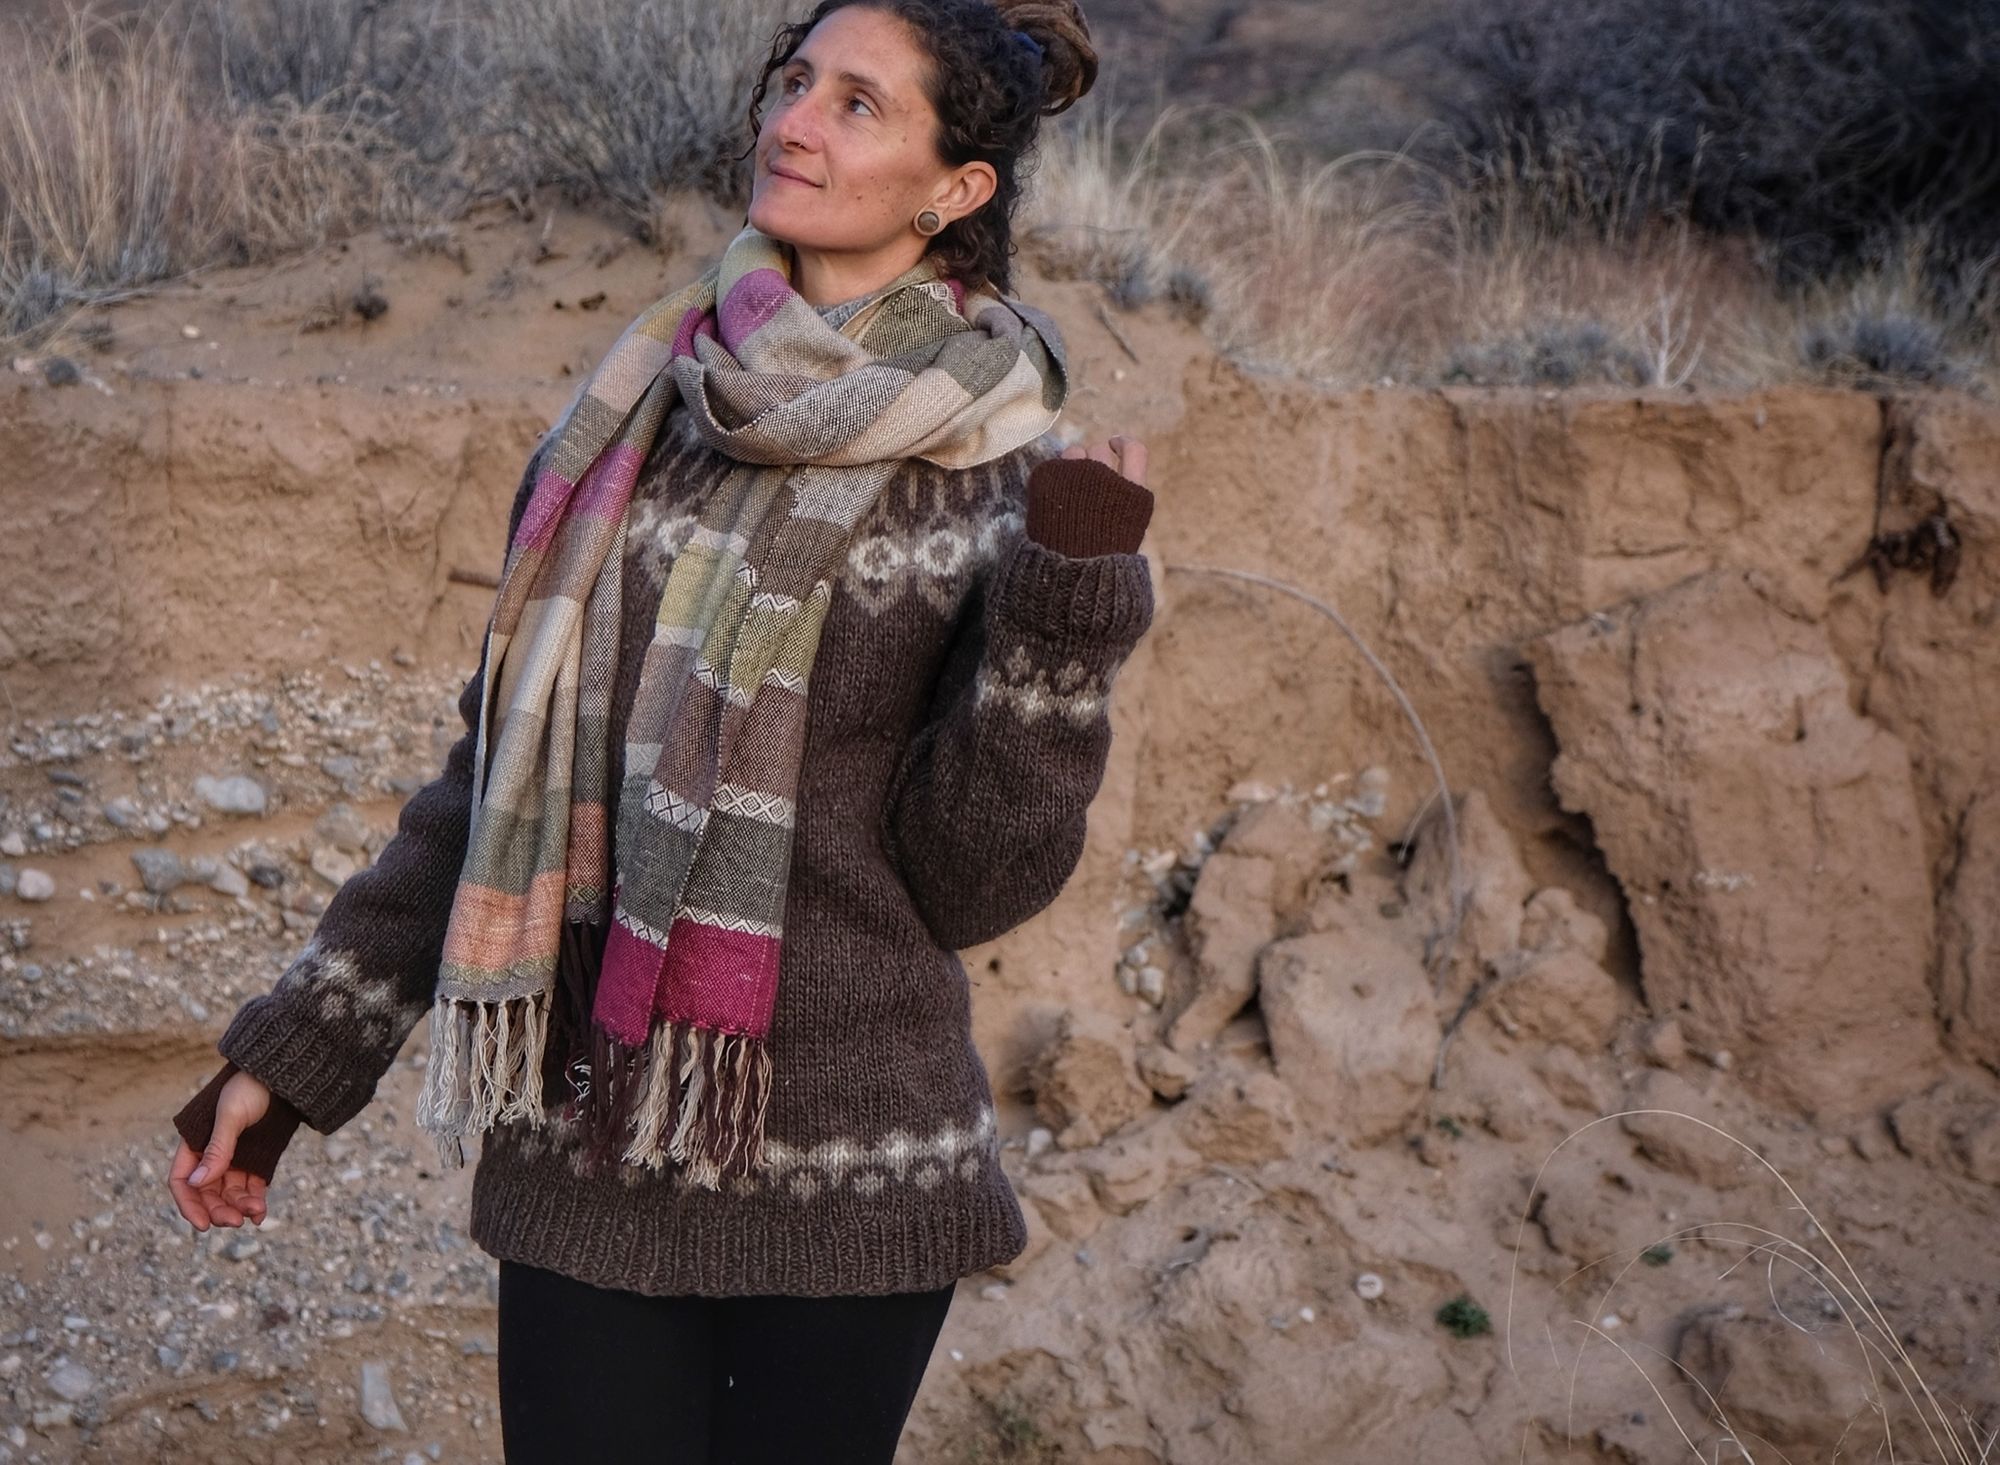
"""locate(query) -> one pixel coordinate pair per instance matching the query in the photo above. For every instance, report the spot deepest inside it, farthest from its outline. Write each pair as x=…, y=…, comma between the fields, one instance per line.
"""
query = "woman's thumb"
x=215, y=1156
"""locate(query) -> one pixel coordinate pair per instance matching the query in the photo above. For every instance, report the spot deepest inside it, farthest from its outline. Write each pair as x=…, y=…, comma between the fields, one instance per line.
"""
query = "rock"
x=236, y=794
x=60, y=371
x=13, y=845
x=1562, y=996
x=342, y=828
x=70, y=1382
x=1580, y=1213
x=1553, y=921
x=1354, y=1030
x=1229, y=919
x=1496, y=881
x=1951, y=1125
x=1245, y=1117
x=1804, y=1394
x=265, y=869
x=1084, y=1082
x=378, y=1400
x=1371, y=792
x=1573, y=1080
x=223, y=879
x=1164, y=1071
x=1662, y=1045
x=1493, y=1088
x=1126, y=1172
x=34, y=885
x=1280, y=833
x=334, y=866
x=123, y=813
x=160, y=870
x=1768, y=836
x=10, y=879
x=1066, y=1201
x=1684, y=1145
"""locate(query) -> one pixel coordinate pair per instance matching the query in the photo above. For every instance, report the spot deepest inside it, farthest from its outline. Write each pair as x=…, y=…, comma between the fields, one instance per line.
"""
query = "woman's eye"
x=863, y=101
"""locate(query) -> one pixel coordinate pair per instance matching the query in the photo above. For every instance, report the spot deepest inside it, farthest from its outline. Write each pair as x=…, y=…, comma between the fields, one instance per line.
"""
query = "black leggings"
x=609, y=1376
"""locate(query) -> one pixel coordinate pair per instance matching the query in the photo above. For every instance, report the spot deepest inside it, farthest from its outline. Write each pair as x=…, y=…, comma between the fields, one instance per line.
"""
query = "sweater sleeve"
x=332, y=1024
x=984, y=816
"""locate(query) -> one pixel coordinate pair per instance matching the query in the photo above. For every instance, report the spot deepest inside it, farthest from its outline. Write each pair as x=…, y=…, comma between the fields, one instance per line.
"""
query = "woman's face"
x=848, y=117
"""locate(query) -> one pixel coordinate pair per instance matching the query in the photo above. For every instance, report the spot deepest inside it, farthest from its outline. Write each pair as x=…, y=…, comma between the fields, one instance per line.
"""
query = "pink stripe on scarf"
x=545, y=506
x=757, y=297
x=719, y=978
x=697, y=322
x=607, y=487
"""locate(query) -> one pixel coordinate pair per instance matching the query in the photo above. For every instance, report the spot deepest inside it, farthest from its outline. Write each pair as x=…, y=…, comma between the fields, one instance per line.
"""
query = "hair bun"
x=1068, y=57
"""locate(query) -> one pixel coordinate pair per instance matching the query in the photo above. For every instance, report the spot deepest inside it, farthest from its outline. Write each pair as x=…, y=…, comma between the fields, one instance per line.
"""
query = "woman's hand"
x=207, y=1190
x=1122, y=453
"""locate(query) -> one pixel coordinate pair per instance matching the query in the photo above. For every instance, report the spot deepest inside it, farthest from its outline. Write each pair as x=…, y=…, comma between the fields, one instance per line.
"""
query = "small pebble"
x=1368, y=1286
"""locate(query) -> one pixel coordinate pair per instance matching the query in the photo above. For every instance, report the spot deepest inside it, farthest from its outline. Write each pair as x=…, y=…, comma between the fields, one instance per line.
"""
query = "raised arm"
x=985, y=813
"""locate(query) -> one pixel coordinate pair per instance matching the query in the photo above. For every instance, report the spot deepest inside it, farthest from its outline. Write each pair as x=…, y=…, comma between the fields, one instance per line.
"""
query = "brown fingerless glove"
x=1080, y=506
x=258, y=1147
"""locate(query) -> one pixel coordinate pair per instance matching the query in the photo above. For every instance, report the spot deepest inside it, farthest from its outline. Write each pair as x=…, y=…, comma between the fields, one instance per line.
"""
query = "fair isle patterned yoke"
x=689, y=885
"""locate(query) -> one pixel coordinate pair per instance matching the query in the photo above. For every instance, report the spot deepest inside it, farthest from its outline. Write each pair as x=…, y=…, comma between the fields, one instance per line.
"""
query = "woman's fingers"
x=1131, y=457
x=202, y=1205
x=1122, y=452
x=236, y=1191
x=193, y=1209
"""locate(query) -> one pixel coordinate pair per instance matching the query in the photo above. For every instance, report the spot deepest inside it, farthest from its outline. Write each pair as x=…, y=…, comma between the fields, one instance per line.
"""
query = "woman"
x=799, y=665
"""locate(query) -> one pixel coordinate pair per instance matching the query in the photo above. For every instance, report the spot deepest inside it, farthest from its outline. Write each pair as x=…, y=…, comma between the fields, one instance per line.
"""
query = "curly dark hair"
x=990, y=92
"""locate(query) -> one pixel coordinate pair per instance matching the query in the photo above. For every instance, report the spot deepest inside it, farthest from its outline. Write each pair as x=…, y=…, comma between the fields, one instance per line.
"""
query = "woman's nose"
x=798, y=123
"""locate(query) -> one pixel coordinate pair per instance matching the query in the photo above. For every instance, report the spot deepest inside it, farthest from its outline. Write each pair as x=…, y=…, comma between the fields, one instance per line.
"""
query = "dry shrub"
x=114, y=171
x=105, y=168
x=1383, y=267
x=616, y=100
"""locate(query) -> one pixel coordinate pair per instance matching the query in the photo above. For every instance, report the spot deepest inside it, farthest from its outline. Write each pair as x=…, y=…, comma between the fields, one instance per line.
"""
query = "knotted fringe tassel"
x=603, y=1110
x=692, y=1094
x=485, y=1068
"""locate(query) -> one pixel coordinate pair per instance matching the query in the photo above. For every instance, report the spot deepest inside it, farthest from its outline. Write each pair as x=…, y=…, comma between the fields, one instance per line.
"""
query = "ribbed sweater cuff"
x=259, y=1146
x=297, y=1057
x=1103, y=600
x=1080, y=506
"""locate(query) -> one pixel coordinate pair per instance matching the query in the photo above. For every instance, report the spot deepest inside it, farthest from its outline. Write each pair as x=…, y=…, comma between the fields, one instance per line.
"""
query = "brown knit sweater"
x=957, y=731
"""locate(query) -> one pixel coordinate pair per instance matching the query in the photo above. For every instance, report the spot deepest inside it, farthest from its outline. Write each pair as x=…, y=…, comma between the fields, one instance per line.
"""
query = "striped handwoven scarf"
x=689, y=890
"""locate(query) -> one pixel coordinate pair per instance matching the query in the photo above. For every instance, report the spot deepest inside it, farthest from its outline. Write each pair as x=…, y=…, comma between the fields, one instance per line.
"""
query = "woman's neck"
x=824, y=279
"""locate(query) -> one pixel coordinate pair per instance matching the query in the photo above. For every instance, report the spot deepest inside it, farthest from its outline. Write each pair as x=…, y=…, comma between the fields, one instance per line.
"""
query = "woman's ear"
x=969, y=190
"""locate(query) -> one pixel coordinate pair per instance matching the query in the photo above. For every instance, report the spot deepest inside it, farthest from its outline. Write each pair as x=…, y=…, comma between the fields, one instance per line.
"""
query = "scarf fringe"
x=691, y=1094
x=485, y=1068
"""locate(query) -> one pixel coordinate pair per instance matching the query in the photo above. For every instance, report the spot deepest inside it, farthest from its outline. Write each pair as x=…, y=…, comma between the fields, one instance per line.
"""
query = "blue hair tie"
x=1030, y=42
